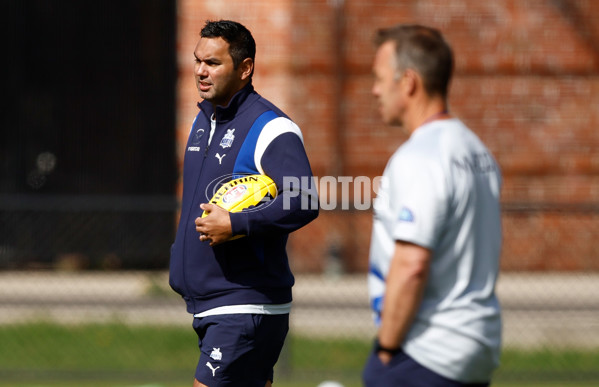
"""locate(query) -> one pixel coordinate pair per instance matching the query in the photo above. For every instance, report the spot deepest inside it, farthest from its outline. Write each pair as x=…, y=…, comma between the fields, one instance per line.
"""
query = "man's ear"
x=246, y=68
x=411, y=81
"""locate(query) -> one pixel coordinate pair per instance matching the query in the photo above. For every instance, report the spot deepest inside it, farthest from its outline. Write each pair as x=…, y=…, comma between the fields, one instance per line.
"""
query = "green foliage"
x=96, y=347
x=328, y=354
x=550, y=366
x=551, y=360
x=118, y=355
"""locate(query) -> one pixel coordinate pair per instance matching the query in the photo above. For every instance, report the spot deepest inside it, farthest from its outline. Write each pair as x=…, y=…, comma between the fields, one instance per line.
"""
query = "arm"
x=283, y=160
x=296, y=204
x=405, y=285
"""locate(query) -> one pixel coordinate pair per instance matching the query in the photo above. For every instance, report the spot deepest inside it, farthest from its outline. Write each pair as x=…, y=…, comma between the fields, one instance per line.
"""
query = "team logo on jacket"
x=227, y=139
x=197, y=136
x=195, y=140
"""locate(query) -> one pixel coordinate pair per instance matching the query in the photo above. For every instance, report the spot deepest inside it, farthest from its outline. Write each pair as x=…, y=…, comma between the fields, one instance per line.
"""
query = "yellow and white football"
x=244, y=192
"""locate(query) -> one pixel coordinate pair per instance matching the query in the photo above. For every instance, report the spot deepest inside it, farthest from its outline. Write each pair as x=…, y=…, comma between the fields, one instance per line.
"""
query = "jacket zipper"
x=187, y=222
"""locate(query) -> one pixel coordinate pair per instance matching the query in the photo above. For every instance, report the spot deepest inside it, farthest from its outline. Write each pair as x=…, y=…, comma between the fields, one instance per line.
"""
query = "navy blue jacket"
x=252, y=136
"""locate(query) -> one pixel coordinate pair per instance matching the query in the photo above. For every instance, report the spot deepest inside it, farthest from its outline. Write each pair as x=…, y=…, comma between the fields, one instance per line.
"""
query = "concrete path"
x=550, y=309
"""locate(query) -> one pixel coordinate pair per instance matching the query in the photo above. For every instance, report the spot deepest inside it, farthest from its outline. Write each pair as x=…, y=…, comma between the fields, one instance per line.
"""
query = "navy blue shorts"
x=403, y=371
x=239, y=349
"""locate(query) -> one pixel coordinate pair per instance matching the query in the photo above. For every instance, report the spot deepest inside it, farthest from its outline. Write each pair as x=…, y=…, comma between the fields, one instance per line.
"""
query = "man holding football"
x=436, y=238
x=231, y=268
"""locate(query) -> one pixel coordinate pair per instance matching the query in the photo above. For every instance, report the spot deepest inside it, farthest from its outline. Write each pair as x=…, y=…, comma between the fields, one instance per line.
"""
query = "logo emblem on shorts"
x=227, y=139
x=216, y=354
x=212, y=368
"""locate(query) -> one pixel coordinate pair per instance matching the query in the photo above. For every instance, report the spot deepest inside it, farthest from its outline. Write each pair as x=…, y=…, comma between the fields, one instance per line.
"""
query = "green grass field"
x=116, y=355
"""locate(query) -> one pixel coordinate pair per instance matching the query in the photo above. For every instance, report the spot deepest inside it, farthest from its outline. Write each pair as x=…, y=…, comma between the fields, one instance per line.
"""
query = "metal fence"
x=72, y=262
x=85, y=231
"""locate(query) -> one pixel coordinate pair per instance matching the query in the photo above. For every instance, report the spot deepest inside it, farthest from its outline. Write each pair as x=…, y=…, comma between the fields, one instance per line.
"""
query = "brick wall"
x=526, y=82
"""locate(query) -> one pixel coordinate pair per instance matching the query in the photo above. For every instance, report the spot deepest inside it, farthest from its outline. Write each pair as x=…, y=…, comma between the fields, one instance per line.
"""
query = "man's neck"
x=225, y=104
x=434, y=109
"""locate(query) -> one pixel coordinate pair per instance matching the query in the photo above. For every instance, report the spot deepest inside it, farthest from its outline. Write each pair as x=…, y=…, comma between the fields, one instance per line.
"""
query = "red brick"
x=527, y=82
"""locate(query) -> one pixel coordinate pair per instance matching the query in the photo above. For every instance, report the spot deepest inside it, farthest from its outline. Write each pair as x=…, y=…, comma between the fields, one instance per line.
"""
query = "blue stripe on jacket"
x=245, y=164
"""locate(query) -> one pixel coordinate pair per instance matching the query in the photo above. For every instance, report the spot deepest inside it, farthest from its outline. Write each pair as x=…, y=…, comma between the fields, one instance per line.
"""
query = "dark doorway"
x=87, y=148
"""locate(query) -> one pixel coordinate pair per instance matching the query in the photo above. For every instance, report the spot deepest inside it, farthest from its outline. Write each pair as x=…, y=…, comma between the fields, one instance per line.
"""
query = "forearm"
x=405, y=286
x=281, y=216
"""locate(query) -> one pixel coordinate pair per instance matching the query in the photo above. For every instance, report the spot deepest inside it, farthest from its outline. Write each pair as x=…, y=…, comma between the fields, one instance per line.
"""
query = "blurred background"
x=99, y=99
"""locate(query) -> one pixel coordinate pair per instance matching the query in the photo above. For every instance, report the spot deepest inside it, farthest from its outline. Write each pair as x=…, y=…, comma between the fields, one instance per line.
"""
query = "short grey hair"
x=424, y=50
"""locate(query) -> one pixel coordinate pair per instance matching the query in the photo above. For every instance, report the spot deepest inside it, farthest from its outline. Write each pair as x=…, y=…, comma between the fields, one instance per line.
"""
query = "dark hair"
x=241, y=42
x=424, y=50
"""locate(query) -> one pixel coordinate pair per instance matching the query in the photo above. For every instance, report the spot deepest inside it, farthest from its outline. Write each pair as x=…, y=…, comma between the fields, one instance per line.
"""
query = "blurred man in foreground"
x=436, y=239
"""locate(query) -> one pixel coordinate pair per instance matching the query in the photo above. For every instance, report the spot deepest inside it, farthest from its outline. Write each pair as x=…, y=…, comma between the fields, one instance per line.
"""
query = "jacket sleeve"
x=281, y=156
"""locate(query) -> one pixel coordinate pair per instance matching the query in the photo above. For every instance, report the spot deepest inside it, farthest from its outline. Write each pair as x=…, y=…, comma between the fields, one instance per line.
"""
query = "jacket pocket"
x=237, y=257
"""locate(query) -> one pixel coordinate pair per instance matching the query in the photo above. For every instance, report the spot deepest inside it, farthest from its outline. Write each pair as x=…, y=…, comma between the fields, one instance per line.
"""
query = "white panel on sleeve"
x=422, y=207
x=272, y=130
